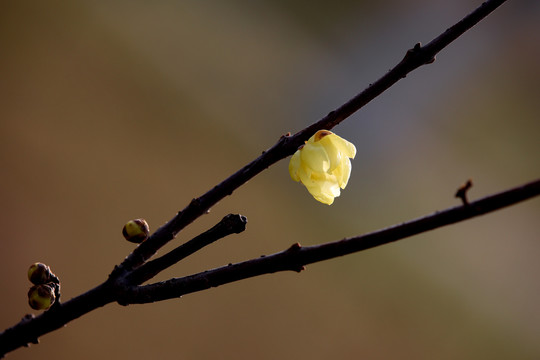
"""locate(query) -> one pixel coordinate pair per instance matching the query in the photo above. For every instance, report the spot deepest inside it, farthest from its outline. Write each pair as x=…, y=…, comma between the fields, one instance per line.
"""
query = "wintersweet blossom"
x=322, y=164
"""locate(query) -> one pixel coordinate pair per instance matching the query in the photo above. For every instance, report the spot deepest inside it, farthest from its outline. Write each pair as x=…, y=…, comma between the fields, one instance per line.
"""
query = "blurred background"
x=113, y=110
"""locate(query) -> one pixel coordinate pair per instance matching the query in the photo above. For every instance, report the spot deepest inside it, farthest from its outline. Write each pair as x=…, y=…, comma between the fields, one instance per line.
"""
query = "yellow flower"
x=322, y=164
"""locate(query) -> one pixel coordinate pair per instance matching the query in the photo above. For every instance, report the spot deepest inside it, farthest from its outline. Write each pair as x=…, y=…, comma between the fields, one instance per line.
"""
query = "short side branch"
x=230, y=224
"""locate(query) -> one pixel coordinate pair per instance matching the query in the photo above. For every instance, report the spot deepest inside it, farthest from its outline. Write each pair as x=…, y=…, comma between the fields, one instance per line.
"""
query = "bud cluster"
x=46, y=289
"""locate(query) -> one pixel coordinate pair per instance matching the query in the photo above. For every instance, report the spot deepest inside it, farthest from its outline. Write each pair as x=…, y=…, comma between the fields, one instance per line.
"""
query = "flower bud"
x=41, y=297
x=136, y=231
x=39, y=273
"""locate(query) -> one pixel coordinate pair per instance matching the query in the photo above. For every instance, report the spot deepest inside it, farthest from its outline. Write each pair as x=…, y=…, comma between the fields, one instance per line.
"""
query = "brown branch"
x=30, y=328
x=119, y=287
x=297, y=256
x=287, y=145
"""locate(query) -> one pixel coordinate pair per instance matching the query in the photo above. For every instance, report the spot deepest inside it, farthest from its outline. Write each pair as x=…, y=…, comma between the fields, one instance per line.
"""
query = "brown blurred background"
x=112, y=110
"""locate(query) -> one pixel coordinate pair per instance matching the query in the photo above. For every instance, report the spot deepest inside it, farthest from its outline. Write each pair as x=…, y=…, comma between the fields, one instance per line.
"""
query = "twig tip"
x=461, y=192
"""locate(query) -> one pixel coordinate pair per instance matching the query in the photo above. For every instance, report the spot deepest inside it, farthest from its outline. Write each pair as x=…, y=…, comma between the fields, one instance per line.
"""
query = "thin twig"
x=461, y=192
x=294, y=258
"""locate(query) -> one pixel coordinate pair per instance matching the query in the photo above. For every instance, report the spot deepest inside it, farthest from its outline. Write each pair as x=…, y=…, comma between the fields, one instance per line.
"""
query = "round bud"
x=41, y=297
x=136, y=231
x=39, y=273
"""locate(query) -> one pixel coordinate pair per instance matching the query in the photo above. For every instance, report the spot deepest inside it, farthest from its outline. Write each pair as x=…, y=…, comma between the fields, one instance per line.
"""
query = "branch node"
x=295, y=247
x=461, y=192
x=419, y=52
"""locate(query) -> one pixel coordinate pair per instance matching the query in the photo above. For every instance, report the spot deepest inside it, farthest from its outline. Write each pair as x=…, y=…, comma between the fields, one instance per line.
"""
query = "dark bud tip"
x=39, y=273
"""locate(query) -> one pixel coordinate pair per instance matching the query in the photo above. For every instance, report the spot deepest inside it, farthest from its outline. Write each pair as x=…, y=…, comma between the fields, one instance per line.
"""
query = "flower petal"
x=343, y=172
x=333, y=153
x=346, y=148
x=322, y=186
x=294, y=165
x=314, y=156
x=324, y=191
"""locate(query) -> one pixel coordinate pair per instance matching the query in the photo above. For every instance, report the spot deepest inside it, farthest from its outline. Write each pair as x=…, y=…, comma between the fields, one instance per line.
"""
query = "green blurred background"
x=112, y=110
